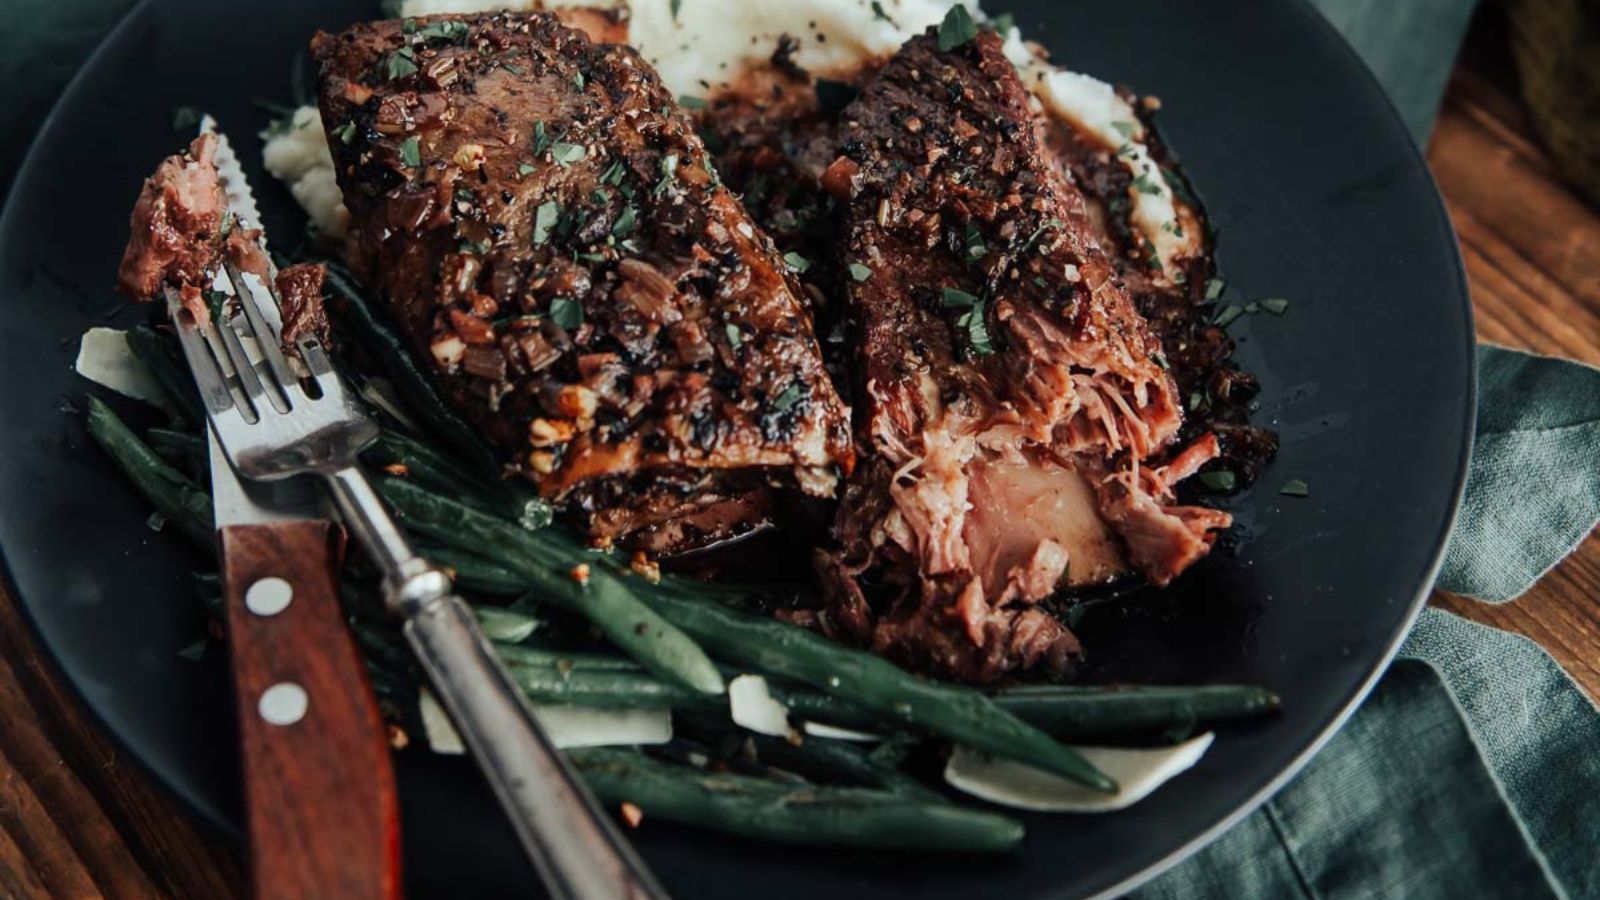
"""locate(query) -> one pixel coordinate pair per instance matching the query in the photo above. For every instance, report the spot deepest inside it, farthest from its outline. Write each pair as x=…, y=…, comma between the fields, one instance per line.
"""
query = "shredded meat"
x=1003, y=372
x=175, y=231
x=544, y=224
x=300, y=295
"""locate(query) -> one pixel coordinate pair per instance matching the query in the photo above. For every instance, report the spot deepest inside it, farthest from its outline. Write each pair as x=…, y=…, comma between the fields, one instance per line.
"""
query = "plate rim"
x=217, y=822
x=1385, y=659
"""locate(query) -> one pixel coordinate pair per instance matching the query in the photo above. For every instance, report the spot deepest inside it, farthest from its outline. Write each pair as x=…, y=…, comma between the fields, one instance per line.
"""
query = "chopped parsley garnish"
x=577, y=80
x=971, y=321
x=1154, y=256
x=1214, y=288
x=527, y=169
x=859, y=272
x=613, y=174
x=956, y=29
x=977, y=330
x=787, y=398
x=444, y=30
x=1003, y=24
x=1219, y=481
x=1196, y=400
x=476, y=248
x=566, y=154
x=515, y=70
x=218, y=302
x=541, y=139
x=410, y=152
x=566, y=312
x=544, y=219
x=675, y=5
x=735, y=336
x=1126, y=151
x=346, y=132
x=185, y=118
x=1295, y=487
x=669, y=171
x=592, y=257
x=797, y=262
x=1146, y=185
x=688, y=101
x=880, y=15
x=1125, y=129
x=959, y=298
x=1179, y=187
x=1275, y=305
x=625, y=222
x=1038, y=233
x=1229, y=313
x=976, y=248
x=408, y=26
x=400, y=63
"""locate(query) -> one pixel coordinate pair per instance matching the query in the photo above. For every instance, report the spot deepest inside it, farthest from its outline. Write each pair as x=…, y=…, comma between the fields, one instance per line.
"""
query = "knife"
x=321, y=808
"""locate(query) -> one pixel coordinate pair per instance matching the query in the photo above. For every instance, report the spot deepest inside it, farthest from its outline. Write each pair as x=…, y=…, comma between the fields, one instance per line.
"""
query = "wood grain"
x=77, y=821
x=1532, y=252
x=322, y=812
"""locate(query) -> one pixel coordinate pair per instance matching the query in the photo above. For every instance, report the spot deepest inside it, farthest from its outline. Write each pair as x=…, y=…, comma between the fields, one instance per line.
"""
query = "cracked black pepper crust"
x=545, y=224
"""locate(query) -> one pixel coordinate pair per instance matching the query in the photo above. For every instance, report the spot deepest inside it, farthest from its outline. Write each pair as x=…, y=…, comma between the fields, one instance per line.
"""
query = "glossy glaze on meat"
x=1009, y=394
x=545, y=224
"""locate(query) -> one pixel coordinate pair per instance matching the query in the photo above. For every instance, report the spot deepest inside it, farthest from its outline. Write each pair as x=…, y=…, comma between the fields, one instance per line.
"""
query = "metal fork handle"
x=577, y=850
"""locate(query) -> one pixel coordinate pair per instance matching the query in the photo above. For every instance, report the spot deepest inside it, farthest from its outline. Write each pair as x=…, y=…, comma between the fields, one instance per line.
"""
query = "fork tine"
x=208, y=375
x=248, y=380
x=266, y=335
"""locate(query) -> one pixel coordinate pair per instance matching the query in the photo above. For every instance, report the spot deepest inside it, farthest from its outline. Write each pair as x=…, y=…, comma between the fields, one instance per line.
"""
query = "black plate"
x=1319, y=196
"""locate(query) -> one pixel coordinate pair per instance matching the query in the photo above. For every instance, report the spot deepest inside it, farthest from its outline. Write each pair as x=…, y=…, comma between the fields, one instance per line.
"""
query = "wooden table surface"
x=78, y=820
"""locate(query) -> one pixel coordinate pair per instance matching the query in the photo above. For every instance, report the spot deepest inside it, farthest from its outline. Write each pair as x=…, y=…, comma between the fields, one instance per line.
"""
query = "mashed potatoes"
x=296, y=153
x=710, y=42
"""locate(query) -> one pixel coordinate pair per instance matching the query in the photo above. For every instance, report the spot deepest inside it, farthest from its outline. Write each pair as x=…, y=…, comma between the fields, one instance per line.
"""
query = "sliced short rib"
x=1009, y=395
x=543, y=222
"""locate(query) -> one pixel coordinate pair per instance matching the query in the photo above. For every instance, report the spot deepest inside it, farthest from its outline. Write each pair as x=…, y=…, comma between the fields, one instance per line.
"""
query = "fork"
x=272, y=424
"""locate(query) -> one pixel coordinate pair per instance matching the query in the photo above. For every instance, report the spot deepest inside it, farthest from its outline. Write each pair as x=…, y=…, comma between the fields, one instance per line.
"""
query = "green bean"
x=1062, y=710
x=601, y=688
x=474, y=573
x=165, y=361
x=952, y=711
x=566, y=661
x=602, y=597
x=440, y=474
x=758, y=808
x=820, y=759
x=815, y=706
x=412, y=380
x=180, y=446
x=958, y=713
x=173, y=495
x=1072, y=711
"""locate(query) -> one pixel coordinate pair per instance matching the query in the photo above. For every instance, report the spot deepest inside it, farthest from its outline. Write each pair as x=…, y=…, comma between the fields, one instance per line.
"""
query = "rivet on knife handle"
x=320, y=797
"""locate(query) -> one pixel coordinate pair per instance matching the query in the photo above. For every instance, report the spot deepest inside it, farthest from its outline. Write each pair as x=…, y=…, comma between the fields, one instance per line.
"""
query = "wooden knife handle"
x=319, y=786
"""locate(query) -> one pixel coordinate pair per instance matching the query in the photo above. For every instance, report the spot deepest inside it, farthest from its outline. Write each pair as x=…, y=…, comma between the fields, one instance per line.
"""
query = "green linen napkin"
x=1474, y=768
